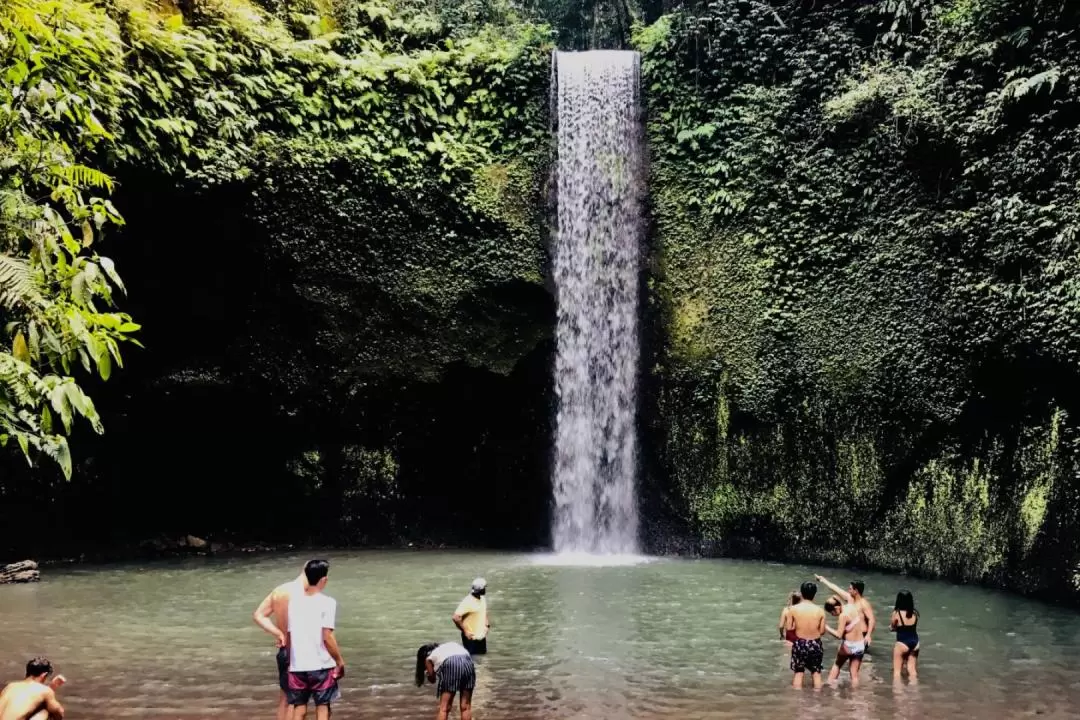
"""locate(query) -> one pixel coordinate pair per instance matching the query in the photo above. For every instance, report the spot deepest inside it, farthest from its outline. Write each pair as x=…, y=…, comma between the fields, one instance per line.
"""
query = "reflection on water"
x=664, y=640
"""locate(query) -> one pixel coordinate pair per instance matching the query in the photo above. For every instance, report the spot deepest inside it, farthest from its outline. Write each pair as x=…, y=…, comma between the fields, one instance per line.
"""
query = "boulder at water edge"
x=20, y=572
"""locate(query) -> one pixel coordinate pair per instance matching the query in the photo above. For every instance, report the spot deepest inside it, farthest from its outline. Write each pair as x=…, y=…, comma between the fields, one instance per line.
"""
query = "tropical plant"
x=60, y=70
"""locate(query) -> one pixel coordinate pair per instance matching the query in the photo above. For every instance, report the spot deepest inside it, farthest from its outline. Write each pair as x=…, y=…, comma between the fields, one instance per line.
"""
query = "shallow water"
x=678, y=639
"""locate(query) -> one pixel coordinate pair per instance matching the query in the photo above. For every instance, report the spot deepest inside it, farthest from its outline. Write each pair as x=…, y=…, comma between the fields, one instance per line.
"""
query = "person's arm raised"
x=261, y=616
x=835, y=588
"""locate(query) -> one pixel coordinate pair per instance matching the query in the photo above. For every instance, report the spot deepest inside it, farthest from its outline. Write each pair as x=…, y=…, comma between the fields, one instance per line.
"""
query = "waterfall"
x=597, y=249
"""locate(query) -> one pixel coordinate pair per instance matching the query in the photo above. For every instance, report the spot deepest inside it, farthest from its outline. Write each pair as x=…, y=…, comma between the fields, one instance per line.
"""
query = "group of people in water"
x=301, y=619
x=803, y=625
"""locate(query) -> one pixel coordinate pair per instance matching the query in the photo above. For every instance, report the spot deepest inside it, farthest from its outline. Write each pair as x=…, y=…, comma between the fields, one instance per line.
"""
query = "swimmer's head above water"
x=857, y=588
x=808, y=590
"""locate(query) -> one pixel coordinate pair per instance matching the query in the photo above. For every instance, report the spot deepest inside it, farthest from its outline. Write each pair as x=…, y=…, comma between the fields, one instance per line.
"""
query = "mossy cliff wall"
x=863, y=292
x=861, y=305
x=335, y=241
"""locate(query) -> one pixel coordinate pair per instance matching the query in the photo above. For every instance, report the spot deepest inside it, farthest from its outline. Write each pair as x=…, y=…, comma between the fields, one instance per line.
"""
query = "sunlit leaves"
x=63, y=78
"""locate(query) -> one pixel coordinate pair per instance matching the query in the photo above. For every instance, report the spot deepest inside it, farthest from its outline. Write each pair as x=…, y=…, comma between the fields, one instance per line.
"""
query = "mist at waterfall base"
x=599, y=180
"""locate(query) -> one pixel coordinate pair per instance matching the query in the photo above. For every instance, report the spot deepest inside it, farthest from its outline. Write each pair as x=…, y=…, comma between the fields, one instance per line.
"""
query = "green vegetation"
x=863, y=292
x=867, y=231
x=219, y=93
x=55, y=290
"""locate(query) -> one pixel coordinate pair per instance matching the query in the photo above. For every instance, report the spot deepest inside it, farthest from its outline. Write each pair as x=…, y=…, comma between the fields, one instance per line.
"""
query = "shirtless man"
x=276, y=606
x=854, y=594
x=851, y=630
x=32, y=698
x=809, y=624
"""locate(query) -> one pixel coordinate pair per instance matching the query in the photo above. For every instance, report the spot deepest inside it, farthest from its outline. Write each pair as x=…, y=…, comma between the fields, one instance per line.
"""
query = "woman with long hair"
x=905, y=622
x=450, y=667
x=786, y=626
x=851, y=632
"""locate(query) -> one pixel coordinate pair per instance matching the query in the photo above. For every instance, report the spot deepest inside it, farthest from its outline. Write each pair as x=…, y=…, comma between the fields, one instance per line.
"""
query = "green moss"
x=851, y=330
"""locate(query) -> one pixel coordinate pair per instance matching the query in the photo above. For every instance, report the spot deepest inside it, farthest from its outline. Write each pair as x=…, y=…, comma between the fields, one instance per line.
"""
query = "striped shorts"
x=456, y=674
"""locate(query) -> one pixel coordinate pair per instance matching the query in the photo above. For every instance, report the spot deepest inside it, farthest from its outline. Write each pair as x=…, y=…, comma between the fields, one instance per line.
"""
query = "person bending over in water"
x=851, y=631
x=33, y=698
x=450, y=667
x=786, y=626
x=855, y=594
x=904, y=622
x=808, y=625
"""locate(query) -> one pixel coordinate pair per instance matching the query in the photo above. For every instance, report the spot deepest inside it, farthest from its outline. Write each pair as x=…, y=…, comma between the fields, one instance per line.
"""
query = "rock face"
x=855, y=362
x=355, y=364
x=25, y=571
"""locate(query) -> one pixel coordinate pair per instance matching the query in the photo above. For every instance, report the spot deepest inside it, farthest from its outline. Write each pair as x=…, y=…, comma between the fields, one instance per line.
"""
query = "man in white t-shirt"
x=272, y=615
x=315, y=662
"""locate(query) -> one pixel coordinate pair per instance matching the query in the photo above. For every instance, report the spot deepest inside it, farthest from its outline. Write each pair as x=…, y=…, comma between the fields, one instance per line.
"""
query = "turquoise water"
x=671, y=639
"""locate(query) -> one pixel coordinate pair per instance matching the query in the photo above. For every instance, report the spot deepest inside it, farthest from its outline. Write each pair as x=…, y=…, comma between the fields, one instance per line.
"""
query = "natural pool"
x=678, y=639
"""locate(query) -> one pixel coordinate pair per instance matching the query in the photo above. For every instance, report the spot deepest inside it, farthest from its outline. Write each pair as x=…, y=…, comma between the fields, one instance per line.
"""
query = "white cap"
x=479, y=584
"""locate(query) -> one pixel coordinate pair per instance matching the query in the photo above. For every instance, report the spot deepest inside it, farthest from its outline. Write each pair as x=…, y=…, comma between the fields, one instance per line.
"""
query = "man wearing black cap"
x=471, y=617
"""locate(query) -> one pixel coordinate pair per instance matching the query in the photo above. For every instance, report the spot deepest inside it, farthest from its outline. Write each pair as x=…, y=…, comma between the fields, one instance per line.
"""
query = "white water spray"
x=596, y=277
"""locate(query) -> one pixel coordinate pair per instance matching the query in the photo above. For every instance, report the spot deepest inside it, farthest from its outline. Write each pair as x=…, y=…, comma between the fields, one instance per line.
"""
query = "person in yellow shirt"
x=471, y=617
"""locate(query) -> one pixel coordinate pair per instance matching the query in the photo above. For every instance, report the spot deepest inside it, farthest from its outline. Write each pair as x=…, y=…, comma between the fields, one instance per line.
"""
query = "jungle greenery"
x=862, y=302
x=867, y=221
x=206, y=93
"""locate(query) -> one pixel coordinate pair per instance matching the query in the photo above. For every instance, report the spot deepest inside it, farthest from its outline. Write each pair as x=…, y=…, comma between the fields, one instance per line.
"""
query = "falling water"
x=596, y=278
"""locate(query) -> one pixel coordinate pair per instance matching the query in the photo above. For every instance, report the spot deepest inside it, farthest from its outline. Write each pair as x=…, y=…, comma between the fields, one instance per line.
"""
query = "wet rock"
x=196, y=543
x=25, y=571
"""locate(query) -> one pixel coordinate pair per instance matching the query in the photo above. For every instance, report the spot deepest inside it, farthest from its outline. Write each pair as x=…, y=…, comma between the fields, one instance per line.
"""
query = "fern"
x=1020, y=87
x=17, y=384
x=17, y=284
x=83, y=176
x=56, y=447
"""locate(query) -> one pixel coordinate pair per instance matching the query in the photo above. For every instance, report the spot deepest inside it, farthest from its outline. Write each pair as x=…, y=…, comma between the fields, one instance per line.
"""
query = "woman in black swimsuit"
x=904, y=622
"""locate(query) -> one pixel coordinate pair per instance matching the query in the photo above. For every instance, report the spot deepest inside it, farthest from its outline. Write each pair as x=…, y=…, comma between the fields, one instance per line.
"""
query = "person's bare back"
x=272, y=616
x=809, y=620
x=22, y=700
x=31, y=698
